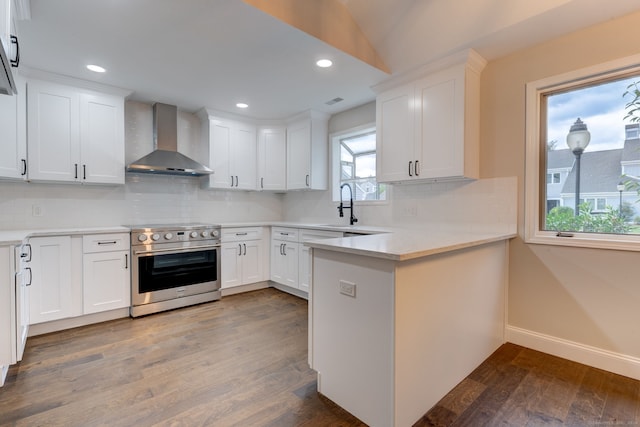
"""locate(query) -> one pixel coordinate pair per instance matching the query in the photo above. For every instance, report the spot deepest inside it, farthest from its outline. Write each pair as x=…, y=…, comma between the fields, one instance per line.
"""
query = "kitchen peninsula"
x=398, y=319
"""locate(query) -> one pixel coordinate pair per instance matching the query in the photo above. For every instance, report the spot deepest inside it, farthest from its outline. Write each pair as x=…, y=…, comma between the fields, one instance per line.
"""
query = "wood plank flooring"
x=242, y=361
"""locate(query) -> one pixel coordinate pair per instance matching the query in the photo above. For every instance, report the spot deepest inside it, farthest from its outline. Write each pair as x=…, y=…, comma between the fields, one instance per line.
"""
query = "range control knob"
x=142, y=237
x=215, y=233
x=193, y=234
x=168, y=236
x=204, y=233
x=155, y=236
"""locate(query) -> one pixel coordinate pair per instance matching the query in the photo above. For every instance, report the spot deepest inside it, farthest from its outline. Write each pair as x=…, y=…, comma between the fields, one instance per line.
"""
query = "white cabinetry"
x=13, y=133
x=428, y=128
x=284, y=256
x=305, y=270
x=55, y=293
x=307, y=152
x=272, y=156
x=232, y=152
x=243, y=256
x=106, y=275
x=22, y=285
x=75, y=135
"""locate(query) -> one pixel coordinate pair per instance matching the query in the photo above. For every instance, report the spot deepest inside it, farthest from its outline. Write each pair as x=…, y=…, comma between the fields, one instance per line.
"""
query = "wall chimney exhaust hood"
x=165, y=158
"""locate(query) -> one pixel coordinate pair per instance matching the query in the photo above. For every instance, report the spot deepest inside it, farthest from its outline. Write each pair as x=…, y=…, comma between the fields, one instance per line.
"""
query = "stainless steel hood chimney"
x=165, y=158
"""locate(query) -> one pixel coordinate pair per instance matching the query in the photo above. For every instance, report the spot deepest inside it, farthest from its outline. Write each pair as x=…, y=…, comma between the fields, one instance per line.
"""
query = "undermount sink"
x=336, y=225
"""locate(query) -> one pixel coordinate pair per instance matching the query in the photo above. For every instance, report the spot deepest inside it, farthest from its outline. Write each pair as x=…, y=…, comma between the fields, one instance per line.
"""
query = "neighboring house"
x=600, y=174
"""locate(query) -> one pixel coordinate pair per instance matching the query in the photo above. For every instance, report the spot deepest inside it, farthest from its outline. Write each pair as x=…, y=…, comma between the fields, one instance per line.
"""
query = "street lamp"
x=620, y=188
x=577, y=139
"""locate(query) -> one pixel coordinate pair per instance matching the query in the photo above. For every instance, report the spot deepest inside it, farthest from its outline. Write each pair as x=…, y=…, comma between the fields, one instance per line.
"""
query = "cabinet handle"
x=84, y=171
x=306, y=180
x=24, y=167
x=236, y=180
x=410, y=174
x=239, y=249
x=15, y=62
x=244, y=245
x=241, y=234
x=75, y=166
x=261, y=182
x=281, y=245
x=30, y=275
x=107, y=242
x=231, y=180
x=284, y=234
x=417, y=168
x=284, y=249
x=126, y=261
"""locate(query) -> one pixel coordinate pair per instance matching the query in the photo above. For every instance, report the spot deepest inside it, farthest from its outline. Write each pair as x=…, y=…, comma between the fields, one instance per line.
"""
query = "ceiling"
x=215, y=53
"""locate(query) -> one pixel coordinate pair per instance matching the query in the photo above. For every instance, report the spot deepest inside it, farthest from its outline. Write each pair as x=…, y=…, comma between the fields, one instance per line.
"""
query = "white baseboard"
x=244, y=288
x=618, y=363
x=74, y=322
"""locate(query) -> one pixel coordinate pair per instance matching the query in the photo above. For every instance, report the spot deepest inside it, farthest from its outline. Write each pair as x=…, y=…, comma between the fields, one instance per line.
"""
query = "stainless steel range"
x=174, y=266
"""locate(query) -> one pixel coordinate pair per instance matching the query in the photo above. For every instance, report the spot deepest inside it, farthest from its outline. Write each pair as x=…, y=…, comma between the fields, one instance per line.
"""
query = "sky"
x=600, y=107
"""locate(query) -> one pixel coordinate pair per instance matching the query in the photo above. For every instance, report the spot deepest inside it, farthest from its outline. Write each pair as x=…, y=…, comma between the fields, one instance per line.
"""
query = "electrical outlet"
x=347, y=288
x=36, y=210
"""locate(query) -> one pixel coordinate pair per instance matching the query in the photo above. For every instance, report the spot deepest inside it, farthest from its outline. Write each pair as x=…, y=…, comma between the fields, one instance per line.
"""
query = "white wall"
x=144, y=199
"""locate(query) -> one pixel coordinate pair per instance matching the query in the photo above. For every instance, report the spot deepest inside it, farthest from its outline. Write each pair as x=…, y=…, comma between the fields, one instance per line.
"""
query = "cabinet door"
x=291, y=264
x=395, y=148
x=13, y=133
x=106, y=281
x=53, y=132
x=231, y=264
x=243, y=156
x=299, y=155
x=272, y=155
x=219, y=145
x=102, y=139
x=252, y=251
x=441, y=133
x=304, y=273
x=23, y=284
x=51, y=293
x=278, y=266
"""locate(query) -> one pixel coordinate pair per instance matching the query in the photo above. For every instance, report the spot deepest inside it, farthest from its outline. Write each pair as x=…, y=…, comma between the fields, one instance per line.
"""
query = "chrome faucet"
x=352, y=218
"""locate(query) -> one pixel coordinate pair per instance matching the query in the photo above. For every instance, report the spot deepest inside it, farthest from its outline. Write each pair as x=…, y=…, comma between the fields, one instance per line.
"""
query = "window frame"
x=336, y=162
x=535, y=149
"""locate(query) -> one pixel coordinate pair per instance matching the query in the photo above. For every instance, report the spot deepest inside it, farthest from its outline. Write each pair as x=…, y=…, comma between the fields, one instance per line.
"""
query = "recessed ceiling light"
x=324, y=63
x=96, y=68
x=242, y=105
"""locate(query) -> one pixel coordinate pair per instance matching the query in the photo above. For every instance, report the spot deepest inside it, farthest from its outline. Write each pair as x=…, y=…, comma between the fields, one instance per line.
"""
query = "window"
x=354, y=160
x=599, y=102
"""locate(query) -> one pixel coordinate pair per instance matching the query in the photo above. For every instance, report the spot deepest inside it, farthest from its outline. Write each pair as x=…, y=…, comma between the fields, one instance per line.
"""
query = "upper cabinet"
x=232, y=152
x=13, y=133
x=428, y=122
x=307, y=151
x=74, y=135
x=272, y=155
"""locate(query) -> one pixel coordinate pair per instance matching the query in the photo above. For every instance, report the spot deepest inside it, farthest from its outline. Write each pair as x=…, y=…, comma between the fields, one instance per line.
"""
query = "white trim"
x=618, y=363
x=534, y=90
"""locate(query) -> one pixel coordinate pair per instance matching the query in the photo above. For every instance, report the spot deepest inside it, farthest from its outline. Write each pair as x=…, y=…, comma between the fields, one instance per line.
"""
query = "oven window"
x=168, y=271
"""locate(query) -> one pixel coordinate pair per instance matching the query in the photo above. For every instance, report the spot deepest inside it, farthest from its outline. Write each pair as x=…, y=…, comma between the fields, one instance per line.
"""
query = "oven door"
x=159, y=275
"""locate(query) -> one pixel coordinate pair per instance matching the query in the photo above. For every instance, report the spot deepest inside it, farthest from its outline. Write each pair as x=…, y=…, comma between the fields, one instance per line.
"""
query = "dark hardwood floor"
x=242, y=361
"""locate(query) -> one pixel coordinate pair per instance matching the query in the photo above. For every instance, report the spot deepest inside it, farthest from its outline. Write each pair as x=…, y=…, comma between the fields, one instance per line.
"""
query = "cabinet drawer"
x=105, y=242
x=241, y=234
x=286, y=234
x=306, y=235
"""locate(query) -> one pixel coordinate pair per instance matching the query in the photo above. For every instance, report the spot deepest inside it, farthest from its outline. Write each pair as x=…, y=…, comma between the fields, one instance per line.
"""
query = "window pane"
x=358, y=167
x=366, y=165
x=361, y=143
x=597, y=166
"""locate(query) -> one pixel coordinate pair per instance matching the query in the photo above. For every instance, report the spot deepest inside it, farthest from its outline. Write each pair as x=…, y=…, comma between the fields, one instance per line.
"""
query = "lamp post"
x=577, y=139
x=620, y=188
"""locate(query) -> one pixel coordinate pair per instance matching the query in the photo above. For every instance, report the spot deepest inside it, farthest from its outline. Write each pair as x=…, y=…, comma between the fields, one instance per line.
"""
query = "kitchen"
x=538, y=283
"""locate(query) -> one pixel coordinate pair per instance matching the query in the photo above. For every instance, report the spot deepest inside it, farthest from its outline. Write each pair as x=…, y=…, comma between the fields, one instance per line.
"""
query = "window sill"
x=581, y=240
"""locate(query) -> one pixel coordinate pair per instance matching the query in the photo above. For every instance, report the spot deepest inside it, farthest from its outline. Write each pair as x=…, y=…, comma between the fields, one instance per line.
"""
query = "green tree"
x=562, y=218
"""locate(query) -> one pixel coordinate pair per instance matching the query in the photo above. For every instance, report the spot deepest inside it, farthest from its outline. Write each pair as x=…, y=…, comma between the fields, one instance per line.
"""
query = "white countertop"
x=405, y=244
x=15, y=237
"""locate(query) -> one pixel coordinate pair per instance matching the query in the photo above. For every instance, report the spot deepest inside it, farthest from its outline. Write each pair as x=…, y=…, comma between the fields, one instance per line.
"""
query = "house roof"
x=558, y=159
x=631, y=150
x=600, y=171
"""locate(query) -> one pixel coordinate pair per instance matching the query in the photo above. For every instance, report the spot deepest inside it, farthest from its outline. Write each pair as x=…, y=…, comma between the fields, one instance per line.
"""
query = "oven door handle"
x=188, y=249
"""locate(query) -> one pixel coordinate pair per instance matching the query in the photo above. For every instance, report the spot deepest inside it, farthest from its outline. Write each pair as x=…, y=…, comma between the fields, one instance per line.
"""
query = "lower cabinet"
x=243, y=255
x=291, y=259
x=106, y=278
x=76, y=275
